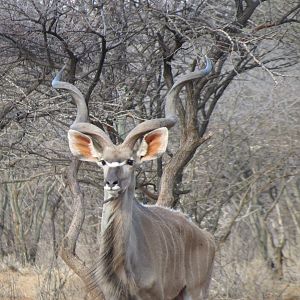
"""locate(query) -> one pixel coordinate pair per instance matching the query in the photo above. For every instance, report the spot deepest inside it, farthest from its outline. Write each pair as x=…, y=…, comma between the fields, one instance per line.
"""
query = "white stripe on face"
x=115, y=164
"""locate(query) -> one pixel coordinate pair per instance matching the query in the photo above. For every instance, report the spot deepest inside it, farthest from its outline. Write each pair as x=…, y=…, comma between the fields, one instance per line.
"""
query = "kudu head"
x=90, y=143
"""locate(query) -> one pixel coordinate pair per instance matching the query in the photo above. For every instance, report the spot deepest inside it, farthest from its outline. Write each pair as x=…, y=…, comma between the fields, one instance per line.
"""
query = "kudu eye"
x=103, y=162
x=130, y=162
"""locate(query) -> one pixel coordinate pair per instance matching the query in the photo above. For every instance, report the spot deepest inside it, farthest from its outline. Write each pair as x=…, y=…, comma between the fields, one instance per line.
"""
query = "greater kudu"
x=146, y=252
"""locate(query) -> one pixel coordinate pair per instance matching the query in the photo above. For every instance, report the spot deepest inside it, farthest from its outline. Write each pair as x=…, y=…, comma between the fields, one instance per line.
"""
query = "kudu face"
x=119, y=162
x=117, y=174
x=118, y=169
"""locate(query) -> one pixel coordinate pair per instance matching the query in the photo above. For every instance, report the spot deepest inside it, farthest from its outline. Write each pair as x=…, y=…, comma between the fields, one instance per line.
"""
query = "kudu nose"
x=111, y=183
x=111, y=179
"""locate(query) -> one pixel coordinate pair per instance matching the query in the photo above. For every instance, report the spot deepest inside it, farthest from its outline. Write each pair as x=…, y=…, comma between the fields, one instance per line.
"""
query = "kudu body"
x=146, y=252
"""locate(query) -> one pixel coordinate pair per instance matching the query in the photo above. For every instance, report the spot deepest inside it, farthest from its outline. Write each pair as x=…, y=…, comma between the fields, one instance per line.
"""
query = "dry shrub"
x=31, y=283
x=249, y=280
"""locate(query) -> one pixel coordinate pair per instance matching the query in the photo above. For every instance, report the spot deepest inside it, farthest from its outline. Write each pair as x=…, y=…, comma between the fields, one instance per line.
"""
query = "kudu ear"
x=82, y=146
x=153, y=144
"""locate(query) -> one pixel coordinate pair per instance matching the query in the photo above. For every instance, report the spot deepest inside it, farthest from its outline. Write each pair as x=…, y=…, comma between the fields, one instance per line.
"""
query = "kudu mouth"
x=113, y=194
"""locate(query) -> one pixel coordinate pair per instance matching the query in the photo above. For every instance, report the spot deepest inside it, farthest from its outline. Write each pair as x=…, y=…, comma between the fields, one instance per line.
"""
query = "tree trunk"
x=68, y=249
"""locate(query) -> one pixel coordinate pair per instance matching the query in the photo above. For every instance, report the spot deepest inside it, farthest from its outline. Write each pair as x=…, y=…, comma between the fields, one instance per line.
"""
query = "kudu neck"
x=118, y=237
x=121, y=206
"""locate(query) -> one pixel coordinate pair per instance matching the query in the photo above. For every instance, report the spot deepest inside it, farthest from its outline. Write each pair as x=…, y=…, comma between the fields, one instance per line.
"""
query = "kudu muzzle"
x=111, y=180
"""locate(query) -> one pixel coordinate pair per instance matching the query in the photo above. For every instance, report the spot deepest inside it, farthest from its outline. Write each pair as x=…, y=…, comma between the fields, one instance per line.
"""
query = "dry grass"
x=250, y=281
x=243, y=281
x=31, y=283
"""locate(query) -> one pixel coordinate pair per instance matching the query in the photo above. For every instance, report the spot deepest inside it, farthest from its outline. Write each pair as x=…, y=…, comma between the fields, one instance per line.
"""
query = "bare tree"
x=137, y=50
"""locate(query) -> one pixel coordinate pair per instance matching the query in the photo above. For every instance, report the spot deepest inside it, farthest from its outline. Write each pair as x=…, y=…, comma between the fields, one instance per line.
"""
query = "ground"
x=31, y=283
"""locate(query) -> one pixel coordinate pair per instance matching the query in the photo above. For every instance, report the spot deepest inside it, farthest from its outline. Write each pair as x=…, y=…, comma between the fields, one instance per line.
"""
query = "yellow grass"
x=31, y=283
